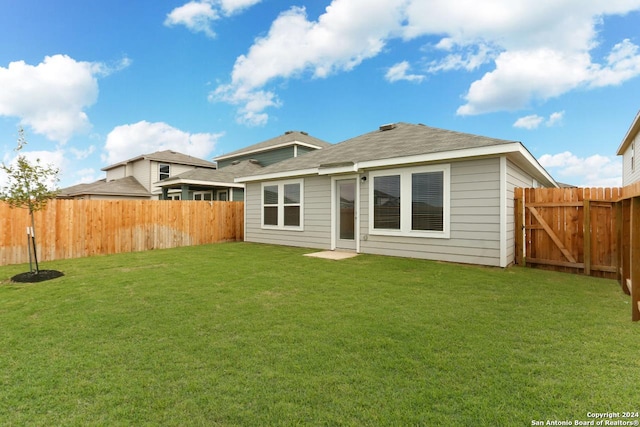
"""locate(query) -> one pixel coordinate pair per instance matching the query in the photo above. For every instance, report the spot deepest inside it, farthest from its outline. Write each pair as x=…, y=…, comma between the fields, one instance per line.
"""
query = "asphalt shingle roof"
x=128, y=186
x=287, y=137
x=226, y=174
x=403, y=139
x=167, y=156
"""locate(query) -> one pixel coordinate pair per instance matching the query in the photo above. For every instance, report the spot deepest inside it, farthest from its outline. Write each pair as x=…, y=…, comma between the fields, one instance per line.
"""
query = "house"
x=403, y=190
x=207, y=184
x=627, y=149
x=137, y=177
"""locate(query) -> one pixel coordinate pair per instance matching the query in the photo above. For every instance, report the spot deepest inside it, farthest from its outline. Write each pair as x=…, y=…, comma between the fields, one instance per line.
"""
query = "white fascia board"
x=492, y=150
x=533, y=162
x=442, y=156
x=628, y=137
x=203, y=183
x=278, y=175
x=269, y=148
x=338, y=170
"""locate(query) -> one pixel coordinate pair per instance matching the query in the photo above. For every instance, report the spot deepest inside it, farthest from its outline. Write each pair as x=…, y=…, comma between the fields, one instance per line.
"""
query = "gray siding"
x=516, y=177
x=631, y=174
x=475, y=220
x=317, y=216
x=303, y=150
x=265, y=158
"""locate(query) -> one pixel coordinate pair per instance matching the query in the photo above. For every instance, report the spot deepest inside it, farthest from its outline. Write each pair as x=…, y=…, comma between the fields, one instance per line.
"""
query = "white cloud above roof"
x=534, y=121
x=52, y=96
x=128, y=141
x=538, y=49
x=400, y=71
x=199, y=16
x=592, y=171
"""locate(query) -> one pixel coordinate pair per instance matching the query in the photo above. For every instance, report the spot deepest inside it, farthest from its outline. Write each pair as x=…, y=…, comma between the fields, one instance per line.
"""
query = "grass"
x=243, y=334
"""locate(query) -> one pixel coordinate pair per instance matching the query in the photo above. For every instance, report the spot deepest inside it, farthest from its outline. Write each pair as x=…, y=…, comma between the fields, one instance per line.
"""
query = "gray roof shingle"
x=226, y=174
x=289, y=137
x=168, y=156
x=403, y=139
x=128, y=186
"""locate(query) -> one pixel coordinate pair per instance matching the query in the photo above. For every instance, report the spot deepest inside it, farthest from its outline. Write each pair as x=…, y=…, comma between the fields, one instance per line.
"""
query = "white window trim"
x=160, y=165
x=405, y=202
x=280, y=185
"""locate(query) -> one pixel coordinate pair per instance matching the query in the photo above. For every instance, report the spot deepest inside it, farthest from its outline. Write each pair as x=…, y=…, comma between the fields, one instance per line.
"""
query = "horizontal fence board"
x=570, y=229
x=80, y=228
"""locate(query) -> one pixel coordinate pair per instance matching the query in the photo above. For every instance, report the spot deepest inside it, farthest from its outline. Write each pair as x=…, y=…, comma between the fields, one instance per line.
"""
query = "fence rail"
x=79, y=228
x=592, y=231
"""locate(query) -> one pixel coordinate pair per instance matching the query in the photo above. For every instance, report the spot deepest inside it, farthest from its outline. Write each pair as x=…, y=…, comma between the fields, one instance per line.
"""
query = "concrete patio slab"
x=334, y=255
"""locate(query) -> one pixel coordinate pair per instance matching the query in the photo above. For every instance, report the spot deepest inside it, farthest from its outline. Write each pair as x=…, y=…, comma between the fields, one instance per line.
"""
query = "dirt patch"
x=36, y=277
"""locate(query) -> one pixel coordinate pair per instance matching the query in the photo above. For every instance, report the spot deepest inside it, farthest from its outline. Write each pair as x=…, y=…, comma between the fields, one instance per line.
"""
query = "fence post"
x=634, y=258
x=519, y=226
x=586, y=236
x=619, y=237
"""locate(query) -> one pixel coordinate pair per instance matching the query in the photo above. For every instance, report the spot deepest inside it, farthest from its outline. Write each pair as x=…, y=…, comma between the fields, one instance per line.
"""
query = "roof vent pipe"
x=387, y=127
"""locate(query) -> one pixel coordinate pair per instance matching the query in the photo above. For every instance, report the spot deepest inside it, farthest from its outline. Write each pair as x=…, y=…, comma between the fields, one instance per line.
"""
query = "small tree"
x=30, y=186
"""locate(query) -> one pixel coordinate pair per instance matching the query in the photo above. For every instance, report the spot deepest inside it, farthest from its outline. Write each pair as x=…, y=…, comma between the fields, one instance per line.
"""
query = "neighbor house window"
x=282, y=205
x=164, y=171
x=410, y=202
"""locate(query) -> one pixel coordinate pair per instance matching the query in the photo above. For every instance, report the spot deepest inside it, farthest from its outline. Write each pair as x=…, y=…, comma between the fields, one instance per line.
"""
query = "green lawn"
x=256, y=335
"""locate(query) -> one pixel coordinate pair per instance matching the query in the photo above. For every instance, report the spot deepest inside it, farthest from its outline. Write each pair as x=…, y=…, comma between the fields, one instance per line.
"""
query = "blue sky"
x=97, y=82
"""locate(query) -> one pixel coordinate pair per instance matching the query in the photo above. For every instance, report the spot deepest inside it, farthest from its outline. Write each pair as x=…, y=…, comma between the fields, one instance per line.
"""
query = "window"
x=410, y=202
x=282, y=205
x=222, y=195
x=386, y=202
x=427, y=201
x=164, y=171
x=292, y=205
x=202, y=195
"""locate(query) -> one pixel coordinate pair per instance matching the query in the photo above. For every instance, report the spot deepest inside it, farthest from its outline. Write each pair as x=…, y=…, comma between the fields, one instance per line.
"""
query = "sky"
x=96, y=82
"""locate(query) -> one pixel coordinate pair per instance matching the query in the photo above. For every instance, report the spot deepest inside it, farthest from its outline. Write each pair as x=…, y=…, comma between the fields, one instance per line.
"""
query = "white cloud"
x=349, y=32
x=529, y=122
x=539, y=49
x=623, y=63
x=198, y=16
x=85, y=176
x=55, y=159
x=534, y=121
x=468, y=58
x=592, y=171
x=399, y=72
x=51, y=97
x=127, y=141
x=555, y=118
x=82, y=154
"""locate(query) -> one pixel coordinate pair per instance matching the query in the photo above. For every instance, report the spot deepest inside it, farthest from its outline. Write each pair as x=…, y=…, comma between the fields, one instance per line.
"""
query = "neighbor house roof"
x=288, y=138
x=631, y=134
x=209, y=177
x=397, y=144
x=167, y=156
x=128, y=186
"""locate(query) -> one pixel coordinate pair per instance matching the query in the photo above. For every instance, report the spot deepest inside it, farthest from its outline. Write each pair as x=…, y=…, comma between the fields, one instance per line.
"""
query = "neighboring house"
x=403, y=190
x=123, y=188
x=220, y=184
x=627, y=149
x=138, y=177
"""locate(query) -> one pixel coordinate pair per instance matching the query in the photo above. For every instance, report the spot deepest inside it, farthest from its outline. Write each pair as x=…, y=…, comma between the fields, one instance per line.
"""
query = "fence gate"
x=568, y=229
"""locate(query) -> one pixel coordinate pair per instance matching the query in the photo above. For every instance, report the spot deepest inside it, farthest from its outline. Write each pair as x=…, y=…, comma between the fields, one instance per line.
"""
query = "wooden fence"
x=592, y=231
x=80, y=228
